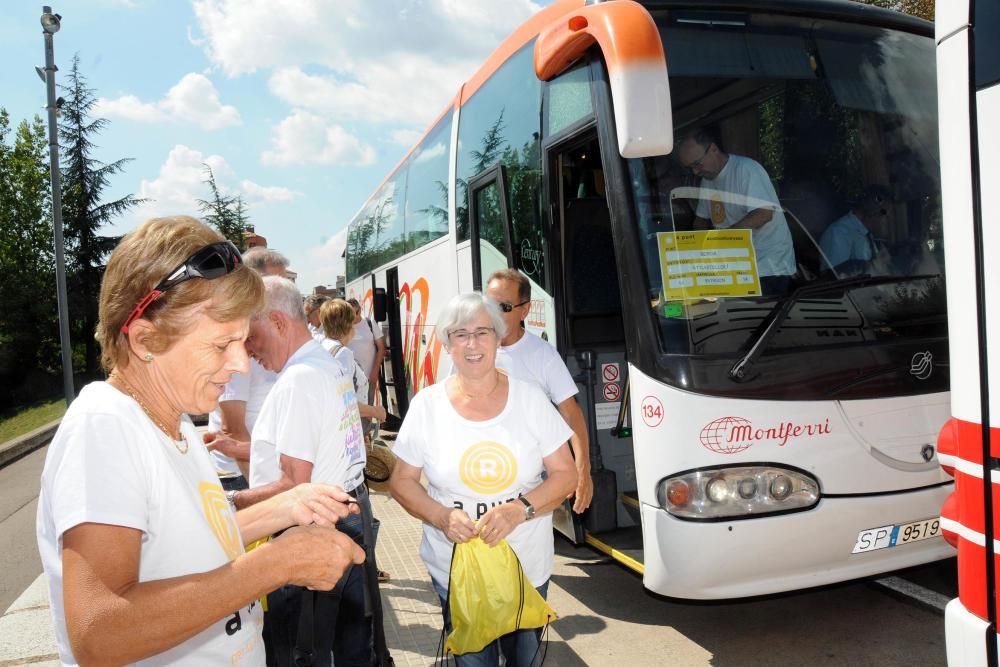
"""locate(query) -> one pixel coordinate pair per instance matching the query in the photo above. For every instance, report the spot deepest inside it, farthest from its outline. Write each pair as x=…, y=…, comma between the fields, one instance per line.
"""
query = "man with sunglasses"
x=527, y=357
x=737, y=193
x=849, y=243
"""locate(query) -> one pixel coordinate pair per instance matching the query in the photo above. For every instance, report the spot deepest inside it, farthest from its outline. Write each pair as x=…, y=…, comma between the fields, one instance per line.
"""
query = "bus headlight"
x=725, y=493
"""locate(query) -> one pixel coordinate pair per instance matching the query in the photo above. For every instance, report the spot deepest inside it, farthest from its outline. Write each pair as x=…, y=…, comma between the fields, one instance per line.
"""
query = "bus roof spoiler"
x=637, y=68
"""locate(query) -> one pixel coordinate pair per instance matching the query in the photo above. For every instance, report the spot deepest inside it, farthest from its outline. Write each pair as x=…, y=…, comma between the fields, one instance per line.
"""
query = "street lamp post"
x=50, y=25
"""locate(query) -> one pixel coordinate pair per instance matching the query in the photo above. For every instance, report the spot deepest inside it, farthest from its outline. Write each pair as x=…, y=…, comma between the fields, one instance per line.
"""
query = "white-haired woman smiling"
x=483, y=440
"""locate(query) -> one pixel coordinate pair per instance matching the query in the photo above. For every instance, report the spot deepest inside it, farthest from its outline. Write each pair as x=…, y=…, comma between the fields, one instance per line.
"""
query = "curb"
x=14, y=449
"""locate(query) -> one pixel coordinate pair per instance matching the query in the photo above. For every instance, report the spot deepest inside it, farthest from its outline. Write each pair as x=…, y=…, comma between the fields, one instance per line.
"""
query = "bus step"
x=622, y=544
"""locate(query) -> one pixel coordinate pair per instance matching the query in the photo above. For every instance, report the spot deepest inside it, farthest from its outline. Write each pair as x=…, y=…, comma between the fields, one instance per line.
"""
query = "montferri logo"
x=922, y=365
x=724, y=435
x=732, y=435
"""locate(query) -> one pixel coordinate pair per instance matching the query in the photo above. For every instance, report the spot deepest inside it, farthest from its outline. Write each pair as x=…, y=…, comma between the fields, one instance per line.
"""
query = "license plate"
x=884, y=537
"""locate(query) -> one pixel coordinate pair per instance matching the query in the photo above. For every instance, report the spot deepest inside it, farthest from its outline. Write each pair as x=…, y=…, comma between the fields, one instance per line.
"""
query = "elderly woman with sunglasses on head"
x=495, y=454
x=144, y=557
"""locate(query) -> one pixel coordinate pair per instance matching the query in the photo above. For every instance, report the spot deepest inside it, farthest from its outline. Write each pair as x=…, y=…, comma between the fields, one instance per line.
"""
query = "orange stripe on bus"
x=524, y=34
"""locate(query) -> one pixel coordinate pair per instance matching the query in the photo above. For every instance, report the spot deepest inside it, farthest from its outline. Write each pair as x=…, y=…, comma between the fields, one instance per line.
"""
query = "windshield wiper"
x=779, y=313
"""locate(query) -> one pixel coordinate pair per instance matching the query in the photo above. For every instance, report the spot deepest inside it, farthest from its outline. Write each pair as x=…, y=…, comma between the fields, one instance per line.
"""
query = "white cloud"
x=392, y=60
x=305, y=138
x=405, y=137
x=181, y=182
x=194, y=99
x=129, y=107
x=267, y=194
x=324, y=262
x=437, y=150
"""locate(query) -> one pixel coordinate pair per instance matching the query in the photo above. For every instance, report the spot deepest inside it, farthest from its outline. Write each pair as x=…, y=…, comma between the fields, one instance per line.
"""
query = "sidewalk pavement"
x=411, y=609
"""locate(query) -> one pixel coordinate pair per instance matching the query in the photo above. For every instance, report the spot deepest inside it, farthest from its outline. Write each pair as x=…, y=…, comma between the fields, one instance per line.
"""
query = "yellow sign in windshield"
x=710, y=264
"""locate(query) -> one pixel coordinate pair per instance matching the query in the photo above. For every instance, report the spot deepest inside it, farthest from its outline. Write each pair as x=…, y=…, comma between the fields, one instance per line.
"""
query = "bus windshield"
x=792, y=241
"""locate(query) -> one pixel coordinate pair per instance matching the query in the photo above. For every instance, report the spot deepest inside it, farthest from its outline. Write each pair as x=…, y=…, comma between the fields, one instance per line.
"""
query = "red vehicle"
x=968, y=63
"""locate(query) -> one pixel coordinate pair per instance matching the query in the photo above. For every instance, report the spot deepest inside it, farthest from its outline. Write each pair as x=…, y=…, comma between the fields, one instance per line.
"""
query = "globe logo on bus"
x=727, y=435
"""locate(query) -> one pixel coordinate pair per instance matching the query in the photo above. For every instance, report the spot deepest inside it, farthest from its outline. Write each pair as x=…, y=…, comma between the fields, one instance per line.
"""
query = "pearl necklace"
x=128, y=390
x=461, y=387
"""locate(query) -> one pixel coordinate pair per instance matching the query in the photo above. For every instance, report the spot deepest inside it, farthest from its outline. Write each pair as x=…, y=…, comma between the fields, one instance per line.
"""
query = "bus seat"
x=809, y=207
x=593, y=298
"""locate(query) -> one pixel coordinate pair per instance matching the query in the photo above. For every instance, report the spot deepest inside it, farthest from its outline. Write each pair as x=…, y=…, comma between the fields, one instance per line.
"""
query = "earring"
x=148, y=357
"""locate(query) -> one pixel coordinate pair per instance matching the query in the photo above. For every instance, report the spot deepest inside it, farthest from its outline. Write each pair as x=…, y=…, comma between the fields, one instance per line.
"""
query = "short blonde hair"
x=145, y=257
x=337, y=317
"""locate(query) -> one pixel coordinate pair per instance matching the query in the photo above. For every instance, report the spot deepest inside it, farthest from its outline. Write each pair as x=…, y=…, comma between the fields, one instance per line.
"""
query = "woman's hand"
x=223, y=444
x=456, y=525
x=500, y=521
x=380, y=414
x=318, y=504
x=318, y=557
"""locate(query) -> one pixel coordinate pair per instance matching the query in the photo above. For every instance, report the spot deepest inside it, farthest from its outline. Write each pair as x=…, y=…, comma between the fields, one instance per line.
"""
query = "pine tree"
x=226, y=213
x=84, y=213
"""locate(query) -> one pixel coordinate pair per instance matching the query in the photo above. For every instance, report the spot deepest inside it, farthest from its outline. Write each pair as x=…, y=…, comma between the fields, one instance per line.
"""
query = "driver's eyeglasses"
x=213, y=261
x=507, y=307
x=697, y=163
x=481, y=335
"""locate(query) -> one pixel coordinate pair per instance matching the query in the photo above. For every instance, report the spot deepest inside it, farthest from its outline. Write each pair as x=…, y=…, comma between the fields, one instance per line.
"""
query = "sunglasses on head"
x=507, y=307
x=213, y=261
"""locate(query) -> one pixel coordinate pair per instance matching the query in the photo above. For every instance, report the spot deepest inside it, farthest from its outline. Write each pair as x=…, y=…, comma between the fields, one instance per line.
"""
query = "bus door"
x=394, y=389
x=592, y=338
x=490, y=228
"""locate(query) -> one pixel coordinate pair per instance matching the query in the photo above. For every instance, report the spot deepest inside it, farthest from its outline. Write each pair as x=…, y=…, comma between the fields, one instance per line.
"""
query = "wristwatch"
x=529, y=509
x=231, y=498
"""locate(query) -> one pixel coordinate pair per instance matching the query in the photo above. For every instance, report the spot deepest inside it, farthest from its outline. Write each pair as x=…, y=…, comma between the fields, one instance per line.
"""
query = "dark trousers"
x=341, y=629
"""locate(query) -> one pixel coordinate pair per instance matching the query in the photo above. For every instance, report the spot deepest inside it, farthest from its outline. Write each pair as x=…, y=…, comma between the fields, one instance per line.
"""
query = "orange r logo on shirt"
x=488, y=467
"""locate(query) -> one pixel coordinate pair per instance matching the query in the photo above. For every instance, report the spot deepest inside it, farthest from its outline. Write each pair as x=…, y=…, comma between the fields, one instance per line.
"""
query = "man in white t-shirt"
x=308, y=430
x=527, y=357
x=243, y=397
x=235, y=417
x=368, y=346
x=737, y=193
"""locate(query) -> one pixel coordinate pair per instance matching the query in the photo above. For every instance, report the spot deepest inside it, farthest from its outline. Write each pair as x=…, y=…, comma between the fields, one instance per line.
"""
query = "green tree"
x=29, y=335
x=85, y=178
x=226, y=213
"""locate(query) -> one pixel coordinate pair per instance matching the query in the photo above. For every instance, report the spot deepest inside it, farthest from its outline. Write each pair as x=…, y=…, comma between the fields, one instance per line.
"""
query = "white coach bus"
x=763, y=406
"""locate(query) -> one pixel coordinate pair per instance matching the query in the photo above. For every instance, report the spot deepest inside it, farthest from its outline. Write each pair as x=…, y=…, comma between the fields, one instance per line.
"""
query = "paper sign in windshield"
x=710, y=264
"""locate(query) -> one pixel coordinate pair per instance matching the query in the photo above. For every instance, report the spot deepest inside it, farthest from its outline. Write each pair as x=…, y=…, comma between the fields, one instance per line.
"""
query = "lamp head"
x=50, y=22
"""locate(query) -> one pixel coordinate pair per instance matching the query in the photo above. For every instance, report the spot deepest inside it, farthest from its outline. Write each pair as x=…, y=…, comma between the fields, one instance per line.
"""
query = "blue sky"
x=301, y=106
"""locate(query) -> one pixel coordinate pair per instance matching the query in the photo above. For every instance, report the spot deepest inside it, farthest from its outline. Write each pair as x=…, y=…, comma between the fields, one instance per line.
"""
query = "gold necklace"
x=461, y=387
x=128, y=390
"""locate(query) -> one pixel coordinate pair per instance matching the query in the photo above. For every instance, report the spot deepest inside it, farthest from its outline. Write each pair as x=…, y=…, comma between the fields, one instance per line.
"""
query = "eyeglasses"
x=507, y=307
x=213, y=261
x=461, y=336
x=697, y=163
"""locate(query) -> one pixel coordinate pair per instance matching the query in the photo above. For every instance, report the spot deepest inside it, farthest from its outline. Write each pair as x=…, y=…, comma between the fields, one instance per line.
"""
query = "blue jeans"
x=341, y=629
x=521, y=648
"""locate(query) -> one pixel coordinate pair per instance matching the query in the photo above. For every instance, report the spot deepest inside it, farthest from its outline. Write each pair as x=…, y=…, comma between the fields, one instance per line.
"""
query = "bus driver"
x=736, y=193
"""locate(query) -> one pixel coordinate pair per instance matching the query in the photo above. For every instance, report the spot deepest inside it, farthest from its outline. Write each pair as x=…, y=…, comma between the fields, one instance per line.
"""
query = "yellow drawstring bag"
x=489, y=597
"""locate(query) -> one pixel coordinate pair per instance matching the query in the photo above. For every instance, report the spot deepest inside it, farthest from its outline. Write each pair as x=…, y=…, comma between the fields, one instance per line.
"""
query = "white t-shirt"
x=109, y=464
x=320, y=337
x=251, y=388
x=345, y=357
x=363, y=343
x=533, y=360
x=741, y=187
x=476, y=465
x=311, y=413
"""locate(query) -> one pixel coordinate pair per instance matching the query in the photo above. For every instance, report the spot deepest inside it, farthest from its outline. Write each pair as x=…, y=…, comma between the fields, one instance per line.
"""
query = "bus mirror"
x=379, y=306
x=637, y=69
